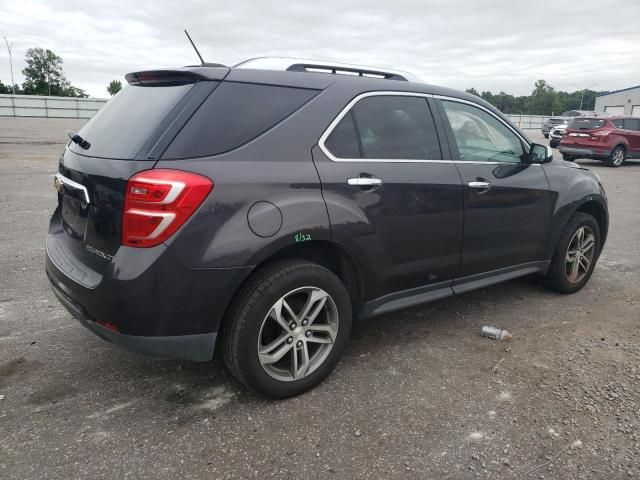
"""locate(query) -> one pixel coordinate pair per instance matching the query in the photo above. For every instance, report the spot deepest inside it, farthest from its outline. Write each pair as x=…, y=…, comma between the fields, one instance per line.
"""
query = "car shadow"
x=188, y=391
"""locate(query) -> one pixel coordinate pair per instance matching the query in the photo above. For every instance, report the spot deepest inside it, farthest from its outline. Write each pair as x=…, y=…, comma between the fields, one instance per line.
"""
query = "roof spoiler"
x=168, y=78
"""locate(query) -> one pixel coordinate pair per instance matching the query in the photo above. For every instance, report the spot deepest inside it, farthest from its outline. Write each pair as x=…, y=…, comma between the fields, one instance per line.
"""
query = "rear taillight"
x=600, y=133
x=158, y=202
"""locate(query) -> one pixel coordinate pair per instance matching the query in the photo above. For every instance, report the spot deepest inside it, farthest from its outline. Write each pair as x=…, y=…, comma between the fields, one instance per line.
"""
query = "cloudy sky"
x=490, y=45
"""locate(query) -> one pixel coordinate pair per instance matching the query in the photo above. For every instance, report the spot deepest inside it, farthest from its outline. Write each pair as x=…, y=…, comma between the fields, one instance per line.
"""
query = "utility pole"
x=13, y=85
x=582, y=93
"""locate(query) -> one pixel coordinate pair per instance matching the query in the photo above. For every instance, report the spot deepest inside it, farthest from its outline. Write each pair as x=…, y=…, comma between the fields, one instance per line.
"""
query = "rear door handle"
x=364, y=182
x=481, y=187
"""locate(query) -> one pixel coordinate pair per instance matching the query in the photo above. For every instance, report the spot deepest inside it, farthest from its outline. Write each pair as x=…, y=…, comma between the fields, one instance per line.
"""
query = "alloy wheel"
x=580, y=254
x=298, y=334
x=618, y=157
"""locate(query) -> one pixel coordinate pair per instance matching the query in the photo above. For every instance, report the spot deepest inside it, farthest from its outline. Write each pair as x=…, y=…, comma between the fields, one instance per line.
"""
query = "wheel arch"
x=330, y=255
x=597, y=211
x=623, y=144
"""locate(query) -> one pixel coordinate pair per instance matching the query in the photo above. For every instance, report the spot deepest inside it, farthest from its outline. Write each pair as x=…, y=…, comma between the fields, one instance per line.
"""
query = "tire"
x=617, y=157
x=568, y=158
x=253, y=327
x=546, y=135
x=559, y=276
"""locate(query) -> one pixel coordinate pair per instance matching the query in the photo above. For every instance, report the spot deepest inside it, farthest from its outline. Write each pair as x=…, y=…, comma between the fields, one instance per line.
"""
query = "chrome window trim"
x=347, y=108
x=383, y=93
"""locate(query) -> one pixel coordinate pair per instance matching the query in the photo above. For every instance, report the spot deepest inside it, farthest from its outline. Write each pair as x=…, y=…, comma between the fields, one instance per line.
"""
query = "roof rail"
x=318, y=66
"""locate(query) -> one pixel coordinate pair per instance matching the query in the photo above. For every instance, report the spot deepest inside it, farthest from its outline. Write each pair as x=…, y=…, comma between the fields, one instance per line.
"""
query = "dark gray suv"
x=257, y=212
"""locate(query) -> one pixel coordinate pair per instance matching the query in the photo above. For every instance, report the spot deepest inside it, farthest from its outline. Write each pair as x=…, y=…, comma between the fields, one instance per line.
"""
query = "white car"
x=556, y=133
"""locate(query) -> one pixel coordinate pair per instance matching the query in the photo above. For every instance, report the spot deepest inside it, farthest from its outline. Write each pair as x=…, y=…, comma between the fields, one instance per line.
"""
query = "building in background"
x=620, y=102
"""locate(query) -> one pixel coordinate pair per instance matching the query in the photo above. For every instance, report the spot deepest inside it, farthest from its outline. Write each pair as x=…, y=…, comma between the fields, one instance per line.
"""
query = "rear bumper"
x=158, y=306
x=198, y=348
x=582, y=152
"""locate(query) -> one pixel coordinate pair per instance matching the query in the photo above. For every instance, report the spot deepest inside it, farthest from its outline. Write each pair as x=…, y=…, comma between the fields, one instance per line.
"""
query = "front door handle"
x=364, y=182
x=481, y=187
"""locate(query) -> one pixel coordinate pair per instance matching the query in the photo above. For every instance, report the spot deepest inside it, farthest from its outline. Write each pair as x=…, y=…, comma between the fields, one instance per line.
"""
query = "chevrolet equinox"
x=256, y=210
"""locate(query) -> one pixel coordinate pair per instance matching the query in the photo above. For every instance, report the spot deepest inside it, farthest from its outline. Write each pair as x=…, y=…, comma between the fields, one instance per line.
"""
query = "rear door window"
x=396, y=127
x=386, y=127
x=125, y=123
x=343, y=141
x=234, y=114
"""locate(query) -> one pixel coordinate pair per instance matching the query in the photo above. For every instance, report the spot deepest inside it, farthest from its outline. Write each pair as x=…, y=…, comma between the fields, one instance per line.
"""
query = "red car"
x=611, y=139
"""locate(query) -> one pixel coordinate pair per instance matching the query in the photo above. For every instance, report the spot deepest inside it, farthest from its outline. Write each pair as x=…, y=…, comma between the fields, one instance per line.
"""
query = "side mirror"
x=540, y=153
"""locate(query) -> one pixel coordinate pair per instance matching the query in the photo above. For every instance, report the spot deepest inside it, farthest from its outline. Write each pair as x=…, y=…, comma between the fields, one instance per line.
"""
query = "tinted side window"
x=343, y=141
x=234, y=114
x=632, y=124
x=481, y=137
x=618, y=123
x=396, y=127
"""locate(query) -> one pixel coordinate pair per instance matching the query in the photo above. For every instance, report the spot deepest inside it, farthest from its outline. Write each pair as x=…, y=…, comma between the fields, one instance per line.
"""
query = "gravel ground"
x=419, y=394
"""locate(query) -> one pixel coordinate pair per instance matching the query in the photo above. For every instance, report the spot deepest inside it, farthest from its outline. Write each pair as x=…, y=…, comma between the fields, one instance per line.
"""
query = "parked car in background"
x=563, y=120
x=555, y=135
x=551, y=123
x=610, y=139
x=256, y=212
x=577, y=113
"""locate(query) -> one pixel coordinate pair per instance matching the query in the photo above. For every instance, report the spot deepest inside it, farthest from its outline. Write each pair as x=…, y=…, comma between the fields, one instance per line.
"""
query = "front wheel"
x=575, y=255
x=617, y=157
x=288, y=328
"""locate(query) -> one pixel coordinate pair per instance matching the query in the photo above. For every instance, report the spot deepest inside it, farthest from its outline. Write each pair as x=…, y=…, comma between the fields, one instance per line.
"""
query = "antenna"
x=194, y=47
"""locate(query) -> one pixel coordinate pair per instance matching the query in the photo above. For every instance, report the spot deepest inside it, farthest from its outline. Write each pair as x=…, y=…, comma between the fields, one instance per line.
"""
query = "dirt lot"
x=419, y=393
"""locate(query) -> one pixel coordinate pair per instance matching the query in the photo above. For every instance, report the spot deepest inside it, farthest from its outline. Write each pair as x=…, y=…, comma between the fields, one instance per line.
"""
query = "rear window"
x=581, y=123
x=124, y=124
x=234, y=114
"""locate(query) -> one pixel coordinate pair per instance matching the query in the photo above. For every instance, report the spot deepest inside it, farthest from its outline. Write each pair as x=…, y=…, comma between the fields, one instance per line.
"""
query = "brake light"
x=600, y=133
x=158, y=202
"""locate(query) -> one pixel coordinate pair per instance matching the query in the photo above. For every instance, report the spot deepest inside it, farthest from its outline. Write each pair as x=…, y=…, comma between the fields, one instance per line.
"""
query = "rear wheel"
x=575, y=255
x=568, y=158
x=287, y=328
x=617, y=157
x=546, y=135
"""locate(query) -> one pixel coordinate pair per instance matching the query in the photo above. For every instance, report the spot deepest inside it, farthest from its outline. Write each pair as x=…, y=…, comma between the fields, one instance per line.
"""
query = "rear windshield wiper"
x=82, y=143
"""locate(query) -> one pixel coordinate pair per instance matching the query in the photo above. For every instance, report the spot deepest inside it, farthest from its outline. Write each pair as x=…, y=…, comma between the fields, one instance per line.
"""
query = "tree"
x=7, y=88
x=541, y=100
x=114, y=87
x=44, y=75
x=544, y=100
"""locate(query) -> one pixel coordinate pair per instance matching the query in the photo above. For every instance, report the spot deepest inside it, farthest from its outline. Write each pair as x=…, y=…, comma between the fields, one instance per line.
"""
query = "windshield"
x=125, y=123
x=581, y=123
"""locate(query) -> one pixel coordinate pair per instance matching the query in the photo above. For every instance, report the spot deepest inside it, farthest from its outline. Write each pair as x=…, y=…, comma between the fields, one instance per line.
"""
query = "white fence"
x=68, y=107
x=49, y=107
x=528, y=122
